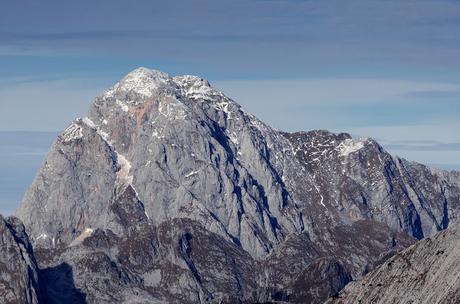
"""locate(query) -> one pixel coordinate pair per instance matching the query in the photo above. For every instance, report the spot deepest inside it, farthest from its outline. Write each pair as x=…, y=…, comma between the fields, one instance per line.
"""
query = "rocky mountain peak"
x=174, y=188
x=142, y=81
x=143, y=84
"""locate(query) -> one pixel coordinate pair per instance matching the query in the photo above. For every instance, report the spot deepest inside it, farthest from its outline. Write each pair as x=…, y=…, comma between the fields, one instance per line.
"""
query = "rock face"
x=168, y=191
x=427, y=272
x=361, y=180
x=19, y=282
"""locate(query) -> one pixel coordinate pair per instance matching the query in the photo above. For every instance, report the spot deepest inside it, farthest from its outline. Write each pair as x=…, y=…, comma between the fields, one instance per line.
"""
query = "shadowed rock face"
x=362, y=181
x=19, y=281
x=427, y=272
x=168, y=191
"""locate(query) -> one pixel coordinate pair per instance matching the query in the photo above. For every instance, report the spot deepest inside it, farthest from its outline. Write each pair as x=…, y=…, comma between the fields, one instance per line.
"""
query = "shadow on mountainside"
x=58, y=285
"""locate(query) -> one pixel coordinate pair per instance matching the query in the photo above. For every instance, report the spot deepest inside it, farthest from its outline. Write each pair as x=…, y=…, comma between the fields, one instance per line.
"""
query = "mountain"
x=427, y=272
x=169, y=191
x=19, y=276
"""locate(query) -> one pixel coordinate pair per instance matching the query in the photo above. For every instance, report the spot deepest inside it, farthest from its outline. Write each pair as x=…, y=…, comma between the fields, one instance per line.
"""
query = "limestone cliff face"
x=171, y=191
x=427, y=272
x=19, y=282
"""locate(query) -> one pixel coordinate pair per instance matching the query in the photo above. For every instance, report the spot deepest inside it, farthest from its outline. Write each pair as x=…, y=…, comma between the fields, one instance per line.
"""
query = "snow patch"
x=322, y=201
x=196, y=88
x=73, y=132
x=319, y=192
x=104, y=135
x=142, y=81
x=124, y=107
x=349, y=146
x=89, y=122
x=233, y=138
x=172, y=110
x=190, y=174
x=199, y=92
x=157, y=134
x=223, y=106
x=42, y=236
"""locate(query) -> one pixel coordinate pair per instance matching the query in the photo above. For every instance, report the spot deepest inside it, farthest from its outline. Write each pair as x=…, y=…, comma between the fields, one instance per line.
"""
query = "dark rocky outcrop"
x=19, y=277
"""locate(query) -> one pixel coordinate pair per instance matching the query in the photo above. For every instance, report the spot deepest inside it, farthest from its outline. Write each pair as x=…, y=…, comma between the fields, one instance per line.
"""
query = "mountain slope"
x=361, y=180
x=19, y=277
x=427, y=272
x=162, y=165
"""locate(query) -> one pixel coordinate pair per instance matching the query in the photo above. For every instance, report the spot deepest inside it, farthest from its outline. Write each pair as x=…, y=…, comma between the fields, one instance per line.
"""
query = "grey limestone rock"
x=169, y=191
x=427, y=272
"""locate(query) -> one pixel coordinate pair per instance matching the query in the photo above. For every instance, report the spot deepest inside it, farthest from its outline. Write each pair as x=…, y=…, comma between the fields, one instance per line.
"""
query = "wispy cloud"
x=435, y=143
x=148, y=35
x=423, y=146
x=434, y=94
x=350, y=90
x=243, y=33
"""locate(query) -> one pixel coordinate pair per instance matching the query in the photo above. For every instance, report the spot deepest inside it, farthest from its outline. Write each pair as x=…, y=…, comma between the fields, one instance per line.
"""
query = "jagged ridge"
x=427, y=272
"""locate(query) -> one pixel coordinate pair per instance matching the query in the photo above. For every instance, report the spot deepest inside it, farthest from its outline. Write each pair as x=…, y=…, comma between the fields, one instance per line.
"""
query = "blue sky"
x=385, y=69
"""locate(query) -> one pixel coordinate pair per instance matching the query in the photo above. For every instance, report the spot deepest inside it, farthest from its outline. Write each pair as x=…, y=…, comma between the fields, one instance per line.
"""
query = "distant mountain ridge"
x=170, y=192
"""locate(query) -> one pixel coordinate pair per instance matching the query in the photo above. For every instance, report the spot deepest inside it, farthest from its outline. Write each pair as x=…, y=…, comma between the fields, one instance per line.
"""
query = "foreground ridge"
x=427, y=272
x=19, y=275
x=169, y=191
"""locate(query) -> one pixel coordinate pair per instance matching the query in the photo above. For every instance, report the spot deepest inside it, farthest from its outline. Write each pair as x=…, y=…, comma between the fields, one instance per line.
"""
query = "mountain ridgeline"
x=425, y=273
x=170, y=192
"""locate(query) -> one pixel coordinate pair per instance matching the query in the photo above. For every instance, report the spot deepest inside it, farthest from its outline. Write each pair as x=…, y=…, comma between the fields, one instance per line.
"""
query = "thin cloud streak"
x=299, y=33
x=434, y=94
x=426, y=147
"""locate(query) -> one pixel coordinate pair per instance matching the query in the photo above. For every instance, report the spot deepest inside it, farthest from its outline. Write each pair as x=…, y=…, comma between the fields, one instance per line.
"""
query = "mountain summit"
x=170, y=192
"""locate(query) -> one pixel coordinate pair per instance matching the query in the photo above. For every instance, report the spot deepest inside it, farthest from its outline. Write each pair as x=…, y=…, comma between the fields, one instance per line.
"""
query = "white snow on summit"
x=196, y=87
x=142, y=81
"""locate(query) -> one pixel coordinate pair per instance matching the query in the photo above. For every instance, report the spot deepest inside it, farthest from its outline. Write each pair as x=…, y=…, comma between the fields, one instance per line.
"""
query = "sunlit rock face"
x=427, y=272
x=169, y=191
